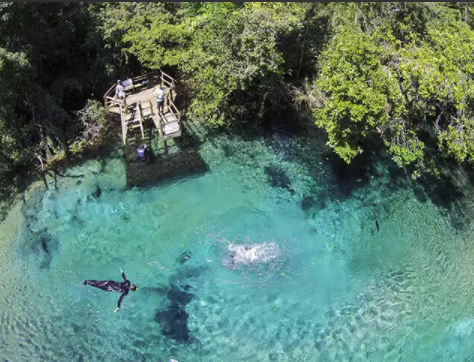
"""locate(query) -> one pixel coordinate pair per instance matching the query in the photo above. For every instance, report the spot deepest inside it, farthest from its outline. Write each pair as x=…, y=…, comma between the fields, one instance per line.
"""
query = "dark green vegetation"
x=401, y=73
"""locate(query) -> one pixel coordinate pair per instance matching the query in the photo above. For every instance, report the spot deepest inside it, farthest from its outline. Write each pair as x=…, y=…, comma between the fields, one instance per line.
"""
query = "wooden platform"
x=140, y=104
x=141, y=124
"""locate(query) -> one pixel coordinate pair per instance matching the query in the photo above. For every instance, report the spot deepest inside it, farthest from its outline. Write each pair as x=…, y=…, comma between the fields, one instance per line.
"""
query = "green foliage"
x=458, y=139
x=52, y=58
x=93, y=122
x=233, y=65
x=14, y=128
x=358, y=91
x=402, y=72
x=408, y=81
x=226, y=53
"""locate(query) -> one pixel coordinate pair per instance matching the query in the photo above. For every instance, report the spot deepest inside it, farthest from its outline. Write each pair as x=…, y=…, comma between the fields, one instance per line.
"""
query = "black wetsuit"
x=112, y=286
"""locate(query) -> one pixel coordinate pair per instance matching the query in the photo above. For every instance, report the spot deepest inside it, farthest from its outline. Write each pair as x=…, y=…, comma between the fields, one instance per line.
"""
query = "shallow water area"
x=375, y=274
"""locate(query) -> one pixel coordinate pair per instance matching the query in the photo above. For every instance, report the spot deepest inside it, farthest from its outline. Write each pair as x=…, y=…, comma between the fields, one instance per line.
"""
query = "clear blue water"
x=339, y=290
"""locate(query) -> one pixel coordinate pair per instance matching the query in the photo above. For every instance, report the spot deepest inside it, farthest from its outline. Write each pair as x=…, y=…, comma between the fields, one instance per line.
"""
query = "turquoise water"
x=339, y=289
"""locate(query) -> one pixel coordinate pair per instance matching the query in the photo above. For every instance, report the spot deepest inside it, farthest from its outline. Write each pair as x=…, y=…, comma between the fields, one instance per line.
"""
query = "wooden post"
x=124, y=126
x=140, y=118
x=151, y=108
x=106, y=104
x=160, y=128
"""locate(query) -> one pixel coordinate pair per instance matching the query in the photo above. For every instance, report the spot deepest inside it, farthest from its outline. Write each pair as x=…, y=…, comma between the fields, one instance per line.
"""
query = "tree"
x=359, y=93
x=412, y=85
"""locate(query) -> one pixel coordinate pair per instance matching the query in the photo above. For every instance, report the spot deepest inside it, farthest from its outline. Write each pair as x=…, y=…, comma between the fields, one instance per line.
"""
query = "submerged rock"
x=306, y=203
x=96, y=194
x=41, y=244
x=278, y=178
x=172, y=315
x=184, y=257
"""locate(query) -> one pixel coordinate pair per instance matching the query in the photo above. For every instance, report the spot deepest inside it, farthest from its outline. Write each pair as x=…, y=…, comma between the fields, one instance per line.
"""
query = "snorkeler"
x=112, y=286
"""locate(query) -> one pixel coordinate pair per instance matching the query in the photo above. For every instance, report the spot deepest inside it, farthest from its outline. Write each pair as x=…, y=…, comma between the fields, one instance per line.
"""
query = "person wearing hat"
x=119, y=90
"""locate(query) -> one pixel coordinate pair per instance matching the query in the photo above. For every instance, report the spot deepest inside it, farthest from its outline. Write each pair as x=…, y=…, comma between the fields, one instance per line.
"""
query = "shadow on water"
x=295, y=140
x=300, y=141
x=441, y=191
x=163, y=163
x=451, y=198
x=172, y=315
x=165, y=168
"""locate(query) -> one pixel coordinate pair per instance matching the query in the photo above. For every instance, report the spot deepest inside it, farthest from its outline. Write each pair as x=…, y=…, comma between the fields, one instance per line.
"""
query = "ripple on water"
x=339, y=288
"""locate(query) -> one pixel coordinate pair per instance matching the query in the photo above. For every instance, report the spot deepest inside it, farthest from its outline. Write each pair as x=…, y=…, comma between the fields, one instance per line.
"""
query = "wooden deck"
x=140, y=105
x=169, y=154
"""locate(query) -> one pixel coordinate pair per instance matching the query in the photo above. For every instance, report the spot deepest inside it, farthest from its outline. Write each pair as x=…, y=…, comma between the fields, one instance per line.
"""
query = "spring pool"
x=365, y=268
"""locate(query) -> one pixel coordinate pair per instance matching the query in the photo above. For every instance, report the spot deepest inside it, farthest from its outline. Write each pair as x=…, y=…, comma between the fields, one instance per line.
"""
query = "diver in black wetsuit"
x=112, y=286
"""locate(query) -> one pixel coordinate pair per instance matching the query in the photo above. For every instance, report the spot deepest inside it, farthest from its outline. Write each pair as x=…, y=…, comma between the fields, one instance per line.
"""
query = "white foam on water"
x=251, y=254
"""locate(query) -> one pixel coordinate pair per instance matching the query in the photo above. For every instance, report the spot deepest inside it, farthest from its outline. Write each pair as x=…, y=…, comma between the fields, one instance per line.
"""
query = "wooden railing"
x=109, y=96
x=115, y=101
x=140, y=118
x=175, y=111
x=124, y=126
x=170, y=83
x=165, y=80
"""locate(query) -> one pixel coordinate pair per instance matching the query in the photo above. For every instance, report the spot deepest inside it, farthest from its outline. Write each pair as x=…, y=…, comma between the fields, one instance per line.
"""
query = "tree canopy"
x=400, y=72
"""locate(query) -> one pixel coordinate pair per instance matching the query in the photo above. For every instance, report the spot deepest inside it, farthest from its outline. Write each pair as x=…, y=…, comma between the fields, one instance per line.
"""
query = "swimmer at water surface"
x=113, y=286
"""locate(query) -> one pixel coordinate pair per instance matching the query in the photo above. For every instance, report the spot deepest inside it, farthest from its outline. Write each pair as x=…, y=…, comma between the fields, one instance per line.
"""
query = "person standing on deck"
x=112, y=286
x=119, y=90
x=160, y=98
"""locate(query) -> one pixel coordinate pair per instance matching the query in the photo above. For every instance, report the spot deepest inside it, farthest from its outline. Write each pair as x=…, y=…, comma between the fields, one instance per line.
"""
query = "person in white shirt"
x=160, y=98
x=119, y=90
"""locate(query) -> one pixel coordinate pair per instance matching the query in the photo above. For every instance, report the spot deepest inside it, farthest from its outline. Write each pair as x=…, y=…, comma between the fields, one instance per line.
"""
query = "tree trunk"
x=305, y=36
x=356, y=14
x=466, y=12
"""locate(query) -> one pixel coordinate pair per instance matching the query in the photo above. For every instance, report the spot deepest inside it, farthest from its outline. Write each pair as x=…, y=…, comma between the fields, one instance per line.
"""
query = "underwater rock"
x=278, y=178
x=172, y=315
x=307, y=202
x=184, y=257
x=96, y=194
x=176, y=295
x=44, y=243
x=41, y=245
x=315, y=202
x=94, y=166
x=188, y=272
x=228, y=151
